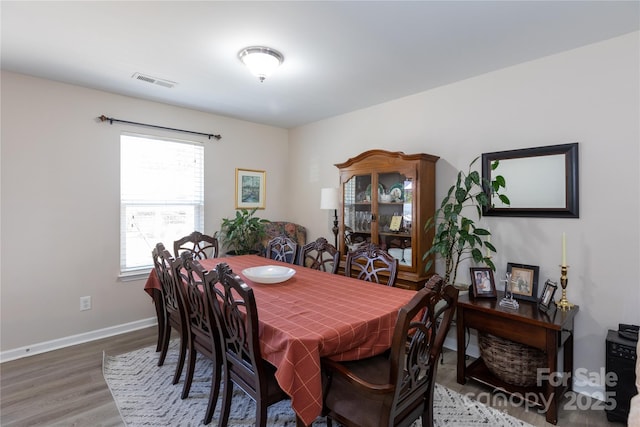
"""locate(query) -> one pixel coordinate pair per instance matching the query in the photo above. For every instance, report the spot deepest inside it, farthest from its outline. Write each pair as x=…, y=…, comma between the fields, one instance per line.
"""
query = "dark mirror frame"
x=571, y=209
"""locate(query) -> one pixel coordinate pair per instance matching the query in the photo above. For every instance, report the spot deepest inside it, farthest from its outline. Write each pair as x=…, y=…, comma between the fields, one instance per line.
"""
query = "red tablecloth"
x=315, y=314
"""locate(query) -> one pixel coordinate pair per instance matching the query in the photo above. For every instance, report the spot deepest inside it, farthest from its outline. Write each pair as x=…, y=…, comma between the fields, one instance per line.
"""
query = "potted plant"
x=456, y=236
x=242, y=233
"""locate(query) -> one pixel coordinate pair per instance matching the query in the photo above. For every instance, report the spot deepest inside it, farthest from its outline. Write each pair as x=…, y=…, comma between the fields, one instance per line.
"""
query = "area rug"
x=145, y=396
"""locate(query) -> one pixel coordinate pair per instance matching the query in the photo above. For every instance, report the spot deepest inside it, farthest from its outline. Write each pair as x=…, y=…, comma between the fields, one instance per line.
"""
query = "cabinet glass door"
x=395, y=216
x=358, y=214
x=392, y=214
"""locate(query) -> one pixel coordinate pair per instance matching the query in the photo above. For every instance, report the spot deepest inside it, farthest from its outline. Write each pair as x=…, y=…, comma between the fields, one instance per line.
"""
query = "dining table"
x=313, y=314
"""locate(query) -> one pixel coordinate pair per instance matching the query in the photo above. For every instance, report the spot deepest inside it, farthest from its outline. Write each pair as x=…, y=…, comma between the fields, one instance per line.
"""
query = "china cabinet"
x=386, y=198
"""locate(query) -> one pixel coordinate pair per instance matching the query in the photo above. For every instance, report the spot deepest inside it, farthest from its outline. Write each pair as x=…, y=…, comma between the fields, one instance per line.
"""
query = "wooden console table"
x=527, y=325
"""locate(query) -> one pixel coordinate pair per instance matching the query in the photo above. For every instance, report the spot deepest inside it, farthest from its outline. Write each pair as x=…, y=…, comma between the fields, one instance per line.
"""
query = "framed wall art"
x=250, y=189
x=482, y=282
x=524, y=281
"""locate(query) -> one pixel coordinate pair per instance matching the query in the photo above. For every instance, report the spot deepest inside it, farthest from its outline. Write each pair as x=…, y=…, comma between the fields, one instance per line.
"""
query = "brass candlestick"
x=564, y=303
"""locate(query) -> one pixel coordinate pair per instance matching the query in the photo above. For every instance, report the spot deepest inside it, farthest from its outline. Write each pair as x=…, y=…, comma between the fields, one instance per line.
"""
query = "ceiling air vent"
x=164, y=83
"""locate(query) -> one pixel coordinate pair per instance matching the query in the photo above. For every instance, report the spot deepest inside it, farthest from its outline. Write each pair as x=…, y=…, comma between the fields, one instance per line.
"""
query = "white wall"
x=588, y=95
x=60, y=201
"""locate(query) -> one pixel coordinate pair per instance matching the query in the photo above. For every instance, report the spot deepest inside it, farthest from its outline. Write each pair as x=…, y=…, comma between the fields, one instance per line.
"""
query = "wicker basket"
x=512, y=362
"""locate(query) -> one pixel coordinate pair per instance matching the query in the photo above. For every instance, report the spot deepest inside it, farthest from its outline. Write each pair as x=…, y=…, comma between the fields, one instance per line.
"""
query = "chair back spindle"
x=283, y=249
x=370, y=263
x=320, y=255
x=199, y=245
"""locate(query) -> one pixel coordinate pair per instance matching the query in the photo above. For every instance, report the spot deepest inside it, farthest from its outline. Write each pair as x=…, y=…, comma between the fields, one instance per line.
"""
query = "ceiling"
x=339, y=56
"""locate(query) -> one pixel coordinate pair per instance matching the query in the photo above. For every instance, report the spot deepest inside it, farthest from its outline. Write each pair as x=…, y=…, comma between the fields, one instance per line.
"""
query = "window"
x=161, y=196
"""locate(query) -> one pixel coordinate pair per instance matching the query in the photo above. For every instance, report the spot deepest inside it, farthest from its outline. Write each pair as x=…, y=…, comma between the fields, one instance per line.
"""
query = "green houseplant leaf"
x=456, y=236
x=242, y=233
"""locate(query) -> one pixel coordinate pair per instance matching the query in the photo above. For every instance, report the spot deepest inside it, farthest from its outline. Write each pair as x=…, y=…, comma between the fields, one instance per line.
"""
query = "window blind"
x=161, y=196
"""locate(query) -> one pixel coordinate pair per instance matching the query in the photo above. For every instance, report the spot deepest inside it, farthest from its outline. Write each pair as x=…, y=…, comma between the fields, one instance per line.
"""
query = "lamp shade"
x=261, y=61
x=329, y=198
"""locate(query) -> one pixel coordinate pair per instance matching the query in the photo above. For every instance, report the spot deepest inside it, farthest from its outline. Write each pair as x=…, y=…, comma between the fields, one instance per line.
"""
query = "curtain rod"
x=104, y=118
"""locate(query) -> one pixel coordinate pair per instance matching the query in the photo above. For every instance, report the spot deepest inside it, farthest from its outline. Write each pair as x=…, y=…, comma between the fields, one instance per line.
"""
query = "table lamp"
x=329, y=200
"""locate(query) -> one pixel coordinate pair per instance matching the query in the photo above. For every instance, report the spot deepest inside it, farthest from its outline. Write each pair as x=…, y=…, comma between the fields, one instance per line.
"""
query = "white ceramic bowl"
x=268, y=273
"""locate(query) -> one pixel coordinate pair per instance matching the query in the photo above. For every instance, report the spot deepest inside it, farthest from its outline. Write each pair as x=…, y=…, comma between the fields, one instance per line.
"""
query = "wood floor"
x=66, y=388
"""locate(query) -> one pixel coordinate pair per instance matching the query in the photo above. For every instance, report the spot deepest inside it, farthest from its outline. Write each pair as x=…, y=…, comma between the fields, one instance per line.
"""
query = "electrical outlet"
x=85, y=303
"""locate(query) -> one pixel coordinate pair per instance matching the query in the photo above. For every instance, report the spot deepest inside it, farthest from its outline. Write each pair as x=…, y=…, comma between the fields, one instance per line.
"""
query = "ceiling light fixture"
x=261, y=61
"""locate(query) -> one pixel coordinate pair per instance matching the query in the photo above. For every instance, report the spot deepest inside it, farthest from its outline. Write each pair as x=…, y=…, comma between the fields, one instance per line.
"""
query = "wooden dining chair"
x=283, y=249
x=199, y=245
x=234, y=307
x=435, y=283
x=395, y=388
x=163, y=264
x=158, y=300
x=202, y=331
x=368, y=261
x=320, y=255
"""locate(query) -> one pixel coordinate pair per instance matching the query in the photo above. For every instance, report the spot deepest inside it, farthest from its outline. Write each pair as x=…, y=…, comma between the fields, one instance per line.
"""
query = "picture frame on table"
x=524, y=280
x=482, y=283
x=250, y=189
x=546, y=297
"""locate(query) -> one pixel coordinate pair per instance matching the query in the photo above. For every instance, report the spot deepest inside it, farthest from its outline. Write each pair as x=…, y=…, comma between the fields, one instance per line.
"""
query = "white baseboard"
x=56, y=344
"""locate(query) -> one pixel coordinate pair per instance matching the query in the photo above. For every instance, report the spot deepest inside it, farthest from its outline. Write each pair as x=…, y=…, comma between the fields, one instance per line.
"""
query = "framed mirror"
x=540, y=181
